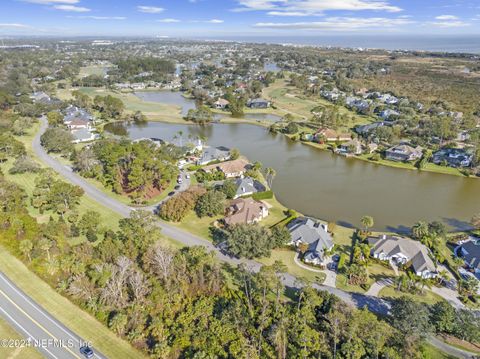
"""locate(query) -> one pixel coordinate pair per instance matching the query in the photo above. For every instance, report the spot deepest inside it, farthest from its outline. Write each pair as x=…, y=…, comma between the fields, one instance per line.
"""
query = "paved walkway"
x=376, y=287
x=330, y=276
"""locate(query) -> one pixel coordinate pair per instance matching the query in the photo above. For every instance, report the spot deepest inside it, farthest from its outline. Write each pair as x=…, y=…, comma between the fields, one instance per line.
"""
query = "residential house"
x=78, y=124
x=40, y=97
x=247, y=186
x=388, y=99
x=352, y=147
x=221, y=104
x=403, y=251
x=83, y=135
x=469, y=251
x=404, y=153
x=230, y=169
x=258, y=103
x=245, y=211
x=211, y=154
x=356, y=103
x=366, y=129
x=330, y=135
x=453, y=157
x=307, y=231
x=389, y=114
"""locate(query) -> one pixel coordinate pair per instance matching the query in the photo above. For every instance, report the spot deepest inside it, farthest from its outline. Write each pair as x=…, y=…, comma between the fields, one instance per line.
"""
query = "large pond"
x=331, y=187
x=176, y=98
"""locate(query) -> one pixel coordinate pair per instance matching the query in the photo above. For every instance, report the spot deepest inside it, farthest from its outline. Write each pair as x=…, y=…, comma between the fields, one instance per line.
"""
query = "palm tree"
x=420, y=230
x=270, y=174
x=367, y=222
x=26, y=247
x=45, y=245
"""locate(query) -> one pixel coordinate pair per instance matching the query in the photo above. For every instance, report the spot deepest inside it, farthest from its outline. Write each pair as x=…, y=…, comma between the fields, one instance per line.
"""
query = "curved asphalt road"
x=374, y=304
x=33, y=322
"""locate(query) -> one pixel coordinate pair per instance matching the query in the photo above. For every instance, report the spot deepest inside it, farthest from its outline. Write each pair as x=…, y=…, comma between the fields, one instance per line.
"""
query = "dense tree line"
x=183, y=303
x=135, y=168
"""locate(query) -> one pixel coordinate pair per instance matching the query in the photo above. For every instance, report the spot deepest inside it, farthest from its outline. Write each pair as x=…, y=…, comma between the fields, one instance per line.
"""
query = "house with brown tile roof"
x=245, y=211
x=231, y=169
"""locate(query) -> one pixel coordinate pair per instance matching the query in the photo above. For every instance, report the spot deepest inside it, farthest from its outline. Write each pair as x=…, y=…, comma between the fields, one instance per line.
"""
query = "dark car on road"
x=171, y=194
x=86, y=351
x=177, y=187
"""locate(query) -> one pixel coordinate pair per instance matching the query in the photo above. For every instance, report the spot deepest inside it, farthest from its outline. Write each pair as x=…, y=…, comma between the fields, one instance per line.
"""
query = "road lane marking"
x=30, y=336
x=38, y=309
x=37, y=323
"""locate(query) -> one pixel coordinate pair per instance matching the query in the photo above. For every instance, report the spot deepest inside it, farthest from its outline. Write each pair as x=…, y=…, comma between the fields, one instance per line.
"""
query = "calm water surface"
x=174, y=98
x=335, y=188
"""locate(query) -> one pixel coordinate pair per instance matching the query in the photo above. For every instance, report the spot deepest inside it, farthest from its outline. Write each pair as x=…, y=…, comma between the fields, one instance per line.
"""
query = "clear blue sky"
x=210, y=18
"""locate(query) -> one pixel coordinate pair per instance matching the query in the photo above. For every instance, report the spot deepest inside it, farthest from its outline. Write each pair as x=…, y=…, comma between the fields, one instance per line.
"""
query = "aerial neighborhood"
x=169, y=187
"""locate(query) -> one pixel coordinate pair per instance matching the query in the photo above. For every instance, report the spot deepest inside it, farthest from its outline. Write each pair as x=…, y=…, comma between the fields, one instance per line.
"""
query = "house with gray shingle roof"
x=469, y=251
x=306, y=230
x=211, y=154
x=247, y=186
x=403, y=251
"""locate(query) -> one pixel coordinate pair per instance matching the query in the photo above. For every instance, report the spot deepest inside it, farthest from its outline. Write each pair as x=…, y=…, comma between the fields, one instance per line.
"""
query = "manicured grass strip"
x=63, y=310
x=286, y=256
x=427, y=297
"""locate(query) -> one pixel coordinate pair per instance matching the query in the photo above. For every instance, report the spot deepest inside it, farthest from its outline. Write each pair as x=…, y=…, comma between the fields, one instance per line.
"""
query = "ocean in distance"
x=454, y=44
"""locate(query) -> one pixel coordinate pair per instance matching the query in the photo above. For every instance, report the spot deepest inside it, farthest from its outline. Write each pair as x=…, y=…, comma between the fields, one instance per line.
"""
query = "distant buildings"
x=258, y=103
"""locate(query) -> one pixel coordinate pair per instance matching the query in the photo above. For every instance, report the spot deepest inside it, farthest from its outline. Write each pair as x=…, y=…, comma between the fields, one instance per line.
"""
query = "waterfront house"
x=247, y=186
x=366, y=129
x=258, y=103
x=221, y=104
x=329, y=135
x=212, y=154
x=78, y=124
x=352, y=147
x=245, y=211
x=230, y=169
x=453, y=157
x=307, y=231
x=83, y=135
x=403, y=251
x=404, y=153
x=469, y=251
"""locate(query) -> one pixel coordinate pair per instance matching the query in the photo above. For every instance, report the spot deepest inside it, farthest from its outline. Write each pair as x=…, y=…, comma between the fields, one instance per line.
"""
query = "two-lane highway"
x=40, y=330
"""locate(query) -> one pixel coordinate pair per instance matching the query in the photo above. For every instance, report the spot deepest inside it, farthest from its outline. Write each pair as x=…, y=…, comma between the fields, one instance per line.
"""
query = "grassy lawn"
x=92, y=70
x=430, y=352
x=153, y=110
x=62, y=309
x=427, y=297
x=375, y=272
x=288, y=99
x=430, y=167
x=7, y=332
x=286, y=256
x=195, y=225
x=27, y=182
